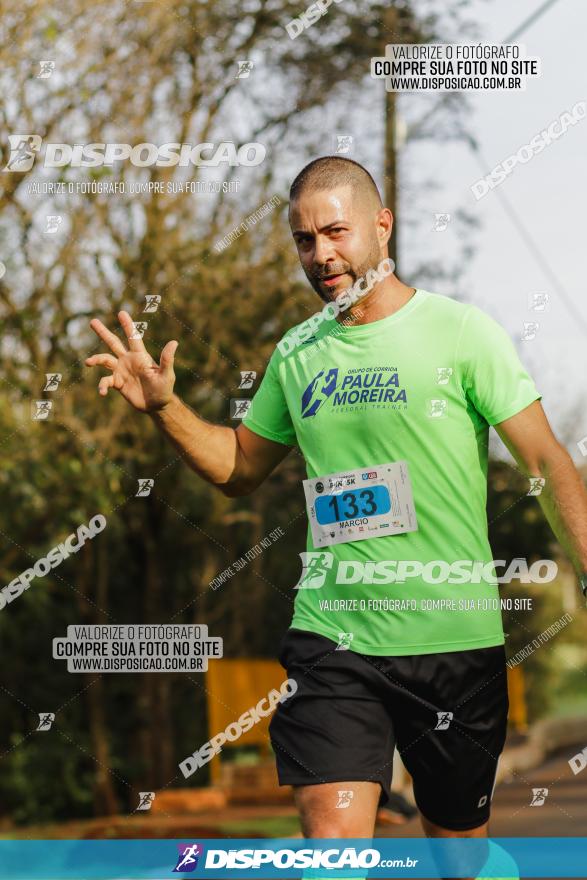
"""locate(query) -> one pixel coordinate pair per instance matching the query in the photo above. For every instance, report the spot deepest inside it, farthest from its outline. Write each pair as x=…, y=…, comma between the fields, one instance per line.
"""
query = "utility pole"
x=390, y=19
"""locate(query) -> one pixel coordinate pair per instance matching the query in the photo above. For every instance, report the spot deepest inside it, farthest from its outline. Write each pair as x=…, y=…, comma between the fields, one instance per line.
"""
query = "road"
x=563, y=813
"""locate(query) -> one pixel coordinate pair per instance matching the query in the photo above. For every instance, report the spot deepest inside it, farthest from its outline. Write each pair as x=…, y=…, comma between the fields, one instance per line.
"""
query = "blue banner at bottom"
x=506, y=858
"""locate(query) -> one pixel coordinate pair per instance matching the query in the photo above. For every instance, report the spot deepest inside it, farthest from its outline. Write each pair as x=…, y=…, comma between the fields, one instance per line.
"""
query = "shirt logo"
x=318, y=391
x=350, y=390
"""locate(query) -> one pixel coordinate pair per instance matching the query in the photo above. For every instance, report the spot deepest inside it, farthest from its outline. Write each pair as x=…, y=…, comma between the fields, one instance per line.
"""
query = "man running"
x=396, y=639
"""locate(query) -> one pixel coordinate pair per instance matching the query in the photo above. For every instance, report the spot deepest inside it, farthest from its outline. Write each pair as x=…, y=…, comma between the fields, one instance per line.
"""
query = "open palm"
x=146, y=385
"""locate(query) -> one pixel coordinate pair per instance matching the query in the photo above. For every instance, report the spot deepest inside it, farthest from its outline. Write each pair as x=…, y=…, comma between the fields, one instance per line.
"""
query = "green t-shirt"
x=422, y=386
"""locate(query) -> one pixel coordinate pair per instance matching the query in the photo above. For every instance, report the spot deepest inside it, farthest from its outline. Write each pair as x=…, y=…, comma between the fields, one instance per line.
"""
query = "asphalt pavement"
x=517, y=811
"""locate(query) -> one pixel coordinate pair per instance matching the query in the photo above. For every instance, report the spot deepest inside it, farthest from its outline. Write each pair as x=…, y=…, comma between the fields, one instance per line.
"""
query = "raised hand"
x=146, y=385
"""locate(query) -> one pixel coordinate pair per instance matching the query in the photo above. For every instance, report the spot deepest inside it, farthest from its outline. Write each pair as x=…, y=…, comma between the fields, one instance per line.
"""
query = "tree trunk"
x=105, y=797
x=390, y=146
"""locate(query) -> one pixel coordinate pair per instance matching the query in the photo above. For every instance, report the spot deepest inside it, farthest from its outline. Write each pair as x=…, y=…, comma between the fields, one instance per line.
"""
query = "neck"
x=383, y=300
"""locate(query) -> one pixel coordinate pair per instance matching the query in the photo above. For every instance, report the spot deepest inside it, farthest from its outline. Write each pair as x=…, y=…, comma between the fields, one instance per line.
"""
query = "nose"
x=323, y=250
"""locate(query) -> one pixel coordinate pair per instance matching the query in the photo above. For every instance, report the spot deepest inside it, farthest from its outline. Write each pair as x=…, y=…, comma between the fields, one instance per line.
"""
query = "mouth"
x=332, y=280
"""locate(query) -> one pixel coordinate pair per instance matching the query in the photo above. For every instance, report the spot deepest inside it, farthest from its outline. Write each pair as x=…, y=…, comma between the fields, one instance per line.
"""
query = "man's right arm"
x=236, y=461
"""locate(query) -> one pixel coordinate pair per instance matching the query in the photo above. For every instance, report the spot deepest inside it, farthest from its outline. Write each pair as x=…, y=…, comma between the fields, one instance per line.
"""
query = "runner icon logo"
x=443, y=374
x=344, y=641
x=344, y=799
x=315, y=566
x=538, y=797
x=187, y=861
x=444, y=719
x=46, y=719
x=146, y=798
x=312, y=399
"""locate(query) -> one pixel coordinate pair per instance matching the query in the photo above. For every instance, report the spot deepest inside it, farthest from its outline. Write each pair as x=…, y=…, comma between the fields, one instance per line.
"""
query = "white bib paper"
x=368, y=502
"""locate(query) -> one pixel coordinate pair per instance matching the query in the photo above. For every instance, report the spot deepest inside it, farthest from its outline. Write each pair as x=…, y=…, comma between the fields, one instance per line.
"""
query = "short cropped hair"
x=330, y=172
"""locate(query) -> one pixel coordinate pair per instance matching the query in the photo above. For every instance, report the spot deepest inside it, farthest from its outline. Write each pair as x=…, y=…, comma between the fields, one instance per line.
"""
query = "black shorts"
x=350, y=710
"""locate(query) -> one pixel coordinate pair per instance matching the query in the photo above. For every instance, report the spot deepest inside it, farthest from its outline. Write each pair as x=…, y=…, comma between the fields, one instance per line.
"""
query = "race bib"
x=364, y=503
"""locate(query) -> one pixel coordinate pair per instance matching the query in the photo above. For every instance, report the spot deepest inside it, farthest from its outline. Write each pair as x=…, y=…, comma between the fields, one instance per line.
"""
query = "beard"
x=316, y=274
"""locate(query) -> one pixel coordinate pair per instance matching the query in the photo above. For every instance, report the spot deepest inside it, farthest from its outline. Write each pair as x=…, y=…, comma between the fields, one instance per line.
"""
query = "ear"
x=384, y=225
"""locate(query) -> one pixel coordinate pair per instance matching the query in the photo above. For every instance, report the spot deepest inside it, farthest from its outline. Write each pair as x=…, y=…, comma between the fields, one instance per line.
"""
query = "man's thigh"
x=335, y=727
x=450, y=724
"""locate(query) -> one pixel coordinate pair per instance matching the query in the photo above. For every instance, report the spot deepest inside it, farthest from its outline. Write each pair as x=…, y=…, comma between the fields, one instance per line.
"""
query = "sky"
x=548, y=194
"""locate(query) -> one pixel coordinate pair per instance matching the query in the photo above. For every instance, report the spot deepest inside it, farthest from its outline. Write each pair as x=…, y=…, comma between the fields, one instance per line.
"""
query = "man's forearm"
x=564, y=502
x=210, y=450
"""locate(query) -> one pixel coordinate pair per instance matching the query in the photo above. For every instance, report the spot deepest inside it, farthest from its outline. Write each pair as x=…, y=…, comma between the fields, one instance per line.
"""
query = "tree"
x=149, y=74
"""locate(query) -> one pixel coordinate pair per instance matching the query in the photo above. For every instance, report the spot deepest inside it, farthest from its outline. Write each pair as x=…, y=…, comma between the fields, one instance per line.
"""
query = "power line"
x=529, y=21
x=538, y=13
x=536, y=252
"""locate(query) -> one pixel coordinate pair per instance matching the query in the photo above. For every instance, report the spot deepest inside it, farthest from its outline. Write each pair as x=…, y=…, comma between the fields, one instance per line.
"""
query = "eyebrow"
x=322, y=228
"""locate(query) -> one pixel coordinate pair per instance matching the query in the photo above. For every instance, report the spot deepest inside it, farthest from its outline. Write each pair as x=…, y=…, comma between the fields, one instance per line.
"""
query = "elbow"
x=540, y=462
x=551, y=459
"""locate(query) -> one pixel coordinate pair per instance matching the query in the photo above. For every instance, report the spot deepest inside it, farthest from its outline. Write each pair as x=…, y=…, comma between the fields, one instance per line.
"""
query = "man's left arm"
x=563, y=498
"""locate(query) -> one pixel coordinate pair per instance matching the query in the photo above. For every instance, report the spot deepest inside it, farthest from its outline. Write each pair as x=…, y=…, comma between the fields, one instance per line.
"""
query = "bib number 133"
x=352, y=504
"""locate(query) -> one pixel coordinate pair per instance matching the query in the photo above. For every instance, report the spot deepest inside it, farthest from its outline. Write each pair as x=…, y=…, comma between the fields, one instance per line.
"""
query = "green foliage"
x=166, y=74
x=518, y=529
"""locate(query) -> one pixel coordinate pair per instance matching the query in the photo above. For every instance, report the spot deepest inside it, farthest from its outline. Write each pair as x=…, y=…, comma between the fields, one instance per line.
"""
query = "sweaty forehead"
x=320, y=207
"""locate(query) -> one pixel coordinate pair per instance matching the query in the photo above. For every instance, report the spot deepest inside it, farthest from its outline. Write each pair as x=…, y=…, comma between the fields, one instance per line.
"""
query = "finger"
x=102, y=360
x=111, y=340
x=104, y=384
x=135, y=342
x=167, y=355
